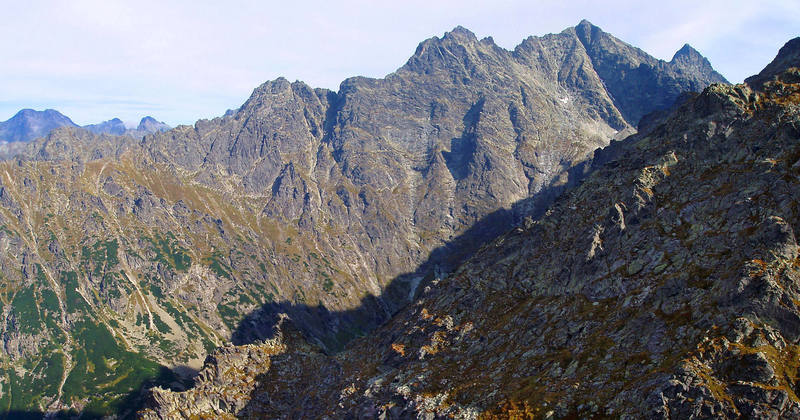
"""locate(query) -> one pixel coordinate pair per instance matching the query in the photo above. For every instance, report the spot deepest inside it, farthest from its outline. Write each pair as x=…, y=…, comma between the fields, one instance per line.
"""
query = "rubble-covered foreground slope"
x=666, y=285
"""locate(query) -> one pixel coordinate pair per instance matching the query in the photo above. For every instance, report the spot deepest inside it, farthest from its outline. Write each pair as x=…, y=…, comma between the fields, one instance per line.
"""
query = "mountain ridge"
x=28, y=125
x=337, y=208
x=664, y=285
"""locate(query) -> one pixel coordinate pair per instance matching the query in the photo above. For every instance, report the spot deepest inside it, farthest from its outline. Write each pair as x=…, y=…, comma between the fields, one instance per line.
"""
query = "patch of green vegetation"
x=167, y=346
x=156, y=291
x=208, y=346
x=74, y=301
x=300, y=296
x=113, y=292
x=228, y=314
x=216, y=264
x=183, y=320
x=51, y=312
x=160, y=325
x=28, y=318
x=34, y=387
x=105, y=372
x=49, y=301
x=169, y=251
x=100, y=257
x=327, y=285
x=40, y=277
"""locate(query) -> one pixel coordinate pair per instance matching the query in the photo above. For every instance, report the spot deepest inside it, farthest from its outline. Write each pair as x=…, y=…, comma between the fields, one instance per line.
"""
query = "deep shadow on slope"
x=449, y=255
x=343, y=326
x=124, y=408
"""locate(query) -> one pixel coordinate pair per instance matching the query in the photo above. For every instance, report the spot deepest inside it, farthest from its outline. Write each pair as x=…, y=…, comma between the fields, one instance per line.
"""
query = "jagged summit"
x=269, y=93
x=687, y=52
x=460, y=34
x=149, y=124
x=113, y=126
x=587, y=31
x=28, y=124
x=788, y=56
x=689, y=59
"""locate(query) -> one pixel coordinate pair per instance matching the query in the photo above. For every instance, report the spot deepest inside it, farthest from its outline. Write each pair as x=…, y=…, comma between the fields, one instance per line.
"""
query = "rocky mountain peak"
x=270, y=87
x=28, y=124
x=280, y=90
x=460, y=34
x=788, y=56
x=117, y=127
x=29, y=113
x=151, y=125
x=690, y=59
x=113, y=126
x=588, y=33
x=628, y=72
x=689, y=54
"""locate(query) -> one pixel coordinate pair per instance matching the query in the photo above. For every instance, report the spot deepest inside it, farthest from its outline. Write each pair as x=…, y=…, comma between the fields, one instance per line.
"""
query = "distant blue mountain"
x=28, y=124
x=114, y=126
x=149, y=124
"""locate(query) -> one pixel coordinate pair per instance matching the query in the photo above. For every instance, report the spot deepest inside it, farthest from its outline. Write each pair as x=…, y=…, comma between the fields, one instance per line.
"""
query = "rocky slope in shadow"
x=338, y=207
x=665, y=285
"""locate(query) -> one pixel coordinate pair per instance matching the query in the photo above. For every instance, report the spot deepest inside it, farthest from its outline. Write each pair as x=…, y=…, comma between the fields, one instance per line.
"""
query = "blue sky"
x=180, y=61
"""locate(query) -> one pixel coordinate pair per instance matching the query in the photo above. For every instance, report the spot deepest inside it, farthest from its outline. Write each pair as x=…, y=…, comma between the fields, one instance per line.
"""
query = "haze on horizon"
x=185, y=60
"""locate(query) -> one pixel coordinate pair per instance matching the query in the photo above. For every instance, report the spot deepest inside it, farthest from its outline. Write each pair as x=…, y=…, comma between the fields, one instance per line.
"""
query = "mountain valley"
x=558, y=230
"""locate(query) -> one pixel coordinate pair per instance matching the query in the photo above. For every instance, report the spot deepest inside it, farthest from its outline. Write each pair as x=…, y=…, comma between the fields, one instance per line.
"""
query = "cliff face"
x=665, y=285
x=336, y=208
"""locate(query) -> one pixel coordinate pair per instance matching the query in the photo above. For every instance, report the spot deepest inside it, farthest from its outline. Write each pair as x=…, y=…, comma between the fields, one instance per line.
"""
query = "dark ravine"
x=665, y=285
x=123, y=256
